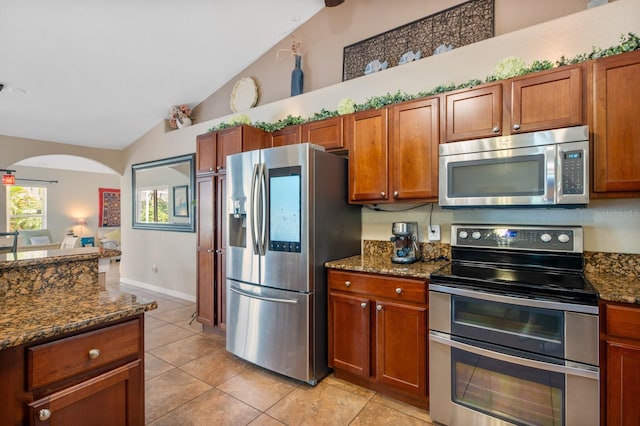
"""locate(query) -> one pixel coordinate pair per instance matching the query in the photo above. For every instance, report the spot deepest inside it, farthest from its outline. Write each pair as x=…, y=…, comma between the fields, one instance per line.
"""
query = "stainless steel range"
x=513, y=329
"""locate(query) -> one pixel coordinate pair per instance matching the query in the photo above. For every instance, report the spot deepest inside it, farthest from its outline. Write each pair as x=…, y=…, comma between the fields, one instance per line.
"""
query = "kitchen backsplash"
x=616, y=263
x=385, y=249
x=595, y=262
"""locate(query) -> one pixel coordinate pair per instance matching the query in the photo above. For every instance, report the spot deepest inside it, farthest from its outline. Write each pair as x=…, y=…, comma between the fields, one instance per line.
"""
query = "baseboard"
x=173, y=293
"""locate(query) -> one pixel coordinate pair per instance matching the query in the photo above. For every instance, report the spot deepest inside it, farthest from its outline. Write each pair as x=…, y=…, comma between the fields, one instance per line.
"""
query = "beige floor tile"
x=180, y=315
x=154, y=366
x=169, y=391
x=265, y=420
x=164, y=335
x=320, y=405
x=186, y=350
x=163, y=307
x=215, y=368
x=151, y=323
x=378, y=414
x=211, y=408
x=349, y=387
x=258, y=388
x=413, y=411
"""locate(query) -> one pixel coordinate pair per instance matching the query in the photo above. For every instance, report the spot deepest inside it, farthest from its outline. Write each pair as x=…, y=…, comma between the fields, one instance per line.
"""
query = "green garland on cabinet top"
x=628, y=43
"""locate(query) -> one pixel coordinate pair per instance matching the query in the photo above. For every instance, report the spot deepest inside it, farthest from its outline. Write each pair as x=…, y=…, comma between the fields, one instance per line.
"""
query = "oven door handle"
x=571, y=368
x=512, y=300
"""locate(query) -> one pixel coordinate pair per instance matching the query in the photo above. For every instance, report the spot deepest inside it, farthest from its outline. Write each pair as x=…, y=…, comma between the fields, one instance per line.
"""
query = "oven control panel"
x=518, y=237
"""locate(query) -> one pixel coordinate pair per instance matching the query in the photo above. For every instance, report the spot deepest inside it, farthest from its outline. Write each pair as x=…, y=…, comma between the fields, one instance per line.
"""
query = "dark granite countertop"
x=40, y=257
x=35, y=316
x=383, y=265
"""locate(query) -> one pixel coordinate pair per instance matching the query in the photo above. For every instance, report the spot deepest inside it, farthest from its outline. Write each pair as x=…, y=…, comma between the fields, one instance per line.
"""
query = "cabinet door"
x=349, y=333
x=616, y=129
x=401, y=345
x=368, y=156
x=414, y=137
x=473, y=113
x=289, y=135
x=327, y=133
x=229, y=142
x=623, y=384
x=547, y=100
x=206, y=152
x=205, y=249
x=221, y=256
x=113, y=398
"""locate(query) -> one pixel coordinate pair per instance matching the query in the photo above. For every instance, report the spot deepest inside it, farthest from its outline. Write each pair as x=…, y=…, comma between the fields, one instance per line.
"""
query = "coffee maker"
x=405, y=237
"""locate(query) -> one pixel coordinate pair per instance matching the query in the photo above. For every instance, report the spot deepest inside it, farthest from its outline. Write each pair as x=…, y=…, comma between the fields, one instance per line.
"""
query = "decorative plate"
x=244, y=95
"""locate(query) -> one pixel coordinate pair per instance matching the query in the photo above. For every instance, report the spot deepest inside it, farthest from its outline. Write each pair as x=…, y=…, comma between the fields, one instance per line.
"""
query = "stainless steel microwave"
x=545, y=169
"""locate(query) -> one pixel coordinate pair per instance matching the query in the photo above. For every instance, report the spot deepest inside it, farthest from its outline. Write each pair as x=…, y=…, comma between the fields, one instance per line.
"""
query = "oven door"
x=471, y=385
x=506, y=177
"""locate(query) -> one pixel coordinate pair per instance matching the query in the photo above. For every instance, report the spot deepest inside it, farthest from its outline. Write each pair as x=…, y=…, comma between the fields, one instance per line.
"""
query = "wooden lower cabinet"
x=94, y=377
x=620, y=357
x=378, y=333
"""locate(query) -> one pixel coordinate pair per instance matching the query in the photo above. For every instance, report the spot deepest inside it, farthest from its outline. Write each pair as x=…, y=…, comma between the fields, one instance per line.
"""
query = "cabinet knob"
x=94, y=353
x=44, y=414
x=218, y=251
x=516, y=127
x=363, y=305
x=496, y=129
x=210, y=169
x=399, y=290
x=383, y=194
x=395, y=194
x=379, y=307
x=210, y=251
x=347, y=283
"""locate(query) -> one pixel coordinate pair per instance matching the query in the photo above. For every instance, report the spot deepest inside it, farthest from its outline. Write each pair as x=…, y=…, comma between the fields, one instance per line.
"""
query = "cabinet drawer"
x=623, y=321
x=62, y=359
x=394, y=288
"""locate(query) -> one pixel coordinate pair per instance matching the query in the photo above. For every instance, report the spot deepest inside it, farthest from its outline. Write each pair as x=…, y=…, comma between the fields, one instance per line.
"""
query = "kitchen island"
x=69, y=348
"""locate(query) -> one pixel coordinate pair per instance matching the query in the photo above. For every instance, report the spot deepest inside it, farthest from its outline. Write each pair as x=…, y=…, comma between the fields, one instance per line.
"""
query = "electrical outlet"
x=433, y=231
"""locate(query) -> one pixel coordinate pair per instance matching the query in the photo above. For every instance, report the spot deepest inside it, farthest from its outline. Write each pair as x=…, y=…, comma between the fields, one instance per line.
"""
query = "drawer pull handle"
x=399, y=290
x=363, y=304
x=94, y=353
x=496, y=129
x=347, y=283
x=379, y=307
x=44, y=414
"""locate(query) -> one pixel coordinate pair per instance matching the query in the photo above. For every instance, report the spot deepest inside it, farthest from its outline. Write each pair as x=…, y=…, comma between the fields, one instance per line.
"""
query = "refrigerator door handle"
x=268, y=299
x=262, y=215
x=254, y=208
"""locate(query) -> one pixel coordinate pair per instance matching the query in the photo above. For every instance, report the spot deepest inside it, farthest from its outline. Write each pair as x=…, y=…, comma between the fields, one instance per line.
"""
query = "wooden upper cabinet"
x=367, y=141
x=616, y=128
x=289, y=135
x=414, y=135
x=327, y=133
x=206, y=152
x=473, y=113
x=547, y=100
x=212, y=148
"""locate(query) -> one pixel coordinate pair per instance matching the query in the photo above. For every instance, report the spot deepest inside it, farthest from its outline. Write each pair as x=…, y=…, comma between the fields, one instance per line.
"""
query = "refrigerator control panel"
x=284, y=246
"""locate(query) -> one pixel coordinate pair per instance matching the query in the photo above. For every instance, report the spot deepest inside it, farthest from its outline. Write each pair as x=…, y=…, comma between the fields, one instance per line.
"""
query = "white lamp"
x=81, y=221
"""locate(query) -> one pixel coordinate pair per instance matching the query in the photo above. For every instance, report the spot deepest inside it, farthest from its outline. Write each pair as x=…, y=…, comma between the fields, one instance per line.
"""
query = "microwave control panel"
x=573, y=172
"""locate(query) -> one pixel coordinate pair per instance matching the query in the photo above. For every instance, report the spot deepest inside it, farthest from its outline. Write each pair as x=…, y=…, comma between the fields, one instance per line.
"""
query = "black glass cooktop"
x=522, y=281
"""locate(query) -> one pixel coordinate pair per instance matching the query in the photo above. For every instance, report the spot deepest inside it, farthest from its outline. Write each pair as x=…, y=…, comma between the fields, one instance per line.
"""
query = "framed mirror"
x=163, y=194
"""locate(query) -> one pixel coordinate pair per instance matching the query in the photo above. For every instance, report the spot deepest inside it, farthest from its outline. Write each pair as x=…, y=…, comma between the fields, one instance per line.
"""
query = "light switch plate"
x=433, y=232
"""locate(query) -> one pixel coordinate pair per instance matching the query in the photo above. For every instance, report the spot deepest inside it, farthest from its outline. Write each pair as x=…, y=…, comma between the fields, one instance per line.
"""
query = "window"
x=153, y=205
x=26, y=207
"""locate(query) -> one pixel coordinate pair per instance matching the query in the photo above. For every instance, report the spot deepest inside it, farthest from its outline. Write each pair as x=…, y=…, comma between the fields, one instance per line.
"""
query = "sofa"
x=36, y=239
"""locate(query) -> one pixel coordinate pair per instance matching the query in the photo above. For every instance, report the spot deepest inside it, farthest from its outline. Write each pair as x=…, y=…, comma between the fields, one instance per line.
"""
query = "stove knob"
x=463, y=235
x=563, y=238
x=476, y=235
x=545, y=238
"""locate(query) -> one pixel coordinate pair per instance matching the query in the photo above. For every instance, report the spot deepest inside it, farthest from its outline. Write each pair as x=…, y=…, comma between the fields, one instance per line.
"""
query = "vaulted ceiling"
x=101, y=73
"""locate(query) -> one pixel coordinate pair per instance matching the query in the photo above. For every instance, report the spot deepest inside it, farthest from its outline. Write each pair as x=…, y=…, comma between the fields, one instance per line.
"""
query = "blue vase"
x=297, y=77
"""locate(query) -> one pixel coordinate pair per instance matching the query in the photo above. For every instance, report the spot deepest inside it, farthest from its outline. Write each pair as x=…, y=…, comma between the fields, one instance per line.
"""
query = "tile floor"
x=190, y=379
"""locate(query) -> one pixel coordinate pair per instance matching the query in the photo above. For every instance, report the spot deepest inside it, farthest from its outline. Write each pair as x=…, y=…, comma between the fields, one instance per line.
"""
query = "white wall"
x=74, y=196
x=610, y=225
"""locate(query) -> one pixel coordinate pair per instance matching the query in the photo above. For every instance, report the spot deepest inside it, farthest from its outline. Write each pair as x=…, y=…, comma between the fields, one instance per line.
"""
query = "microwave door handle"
x=262, y=217
x=254, y=208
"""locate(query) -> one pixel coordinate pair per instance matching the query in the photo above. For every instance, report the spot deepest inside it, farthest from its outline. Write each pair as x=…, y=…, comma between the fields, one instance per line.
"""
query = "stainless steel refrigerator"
x=287, y=215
